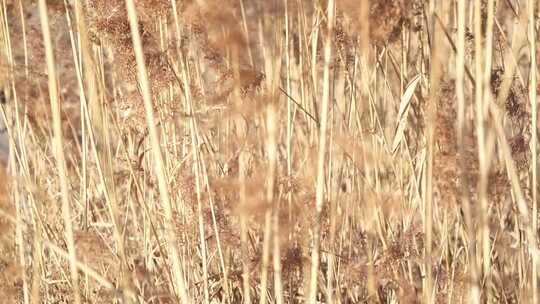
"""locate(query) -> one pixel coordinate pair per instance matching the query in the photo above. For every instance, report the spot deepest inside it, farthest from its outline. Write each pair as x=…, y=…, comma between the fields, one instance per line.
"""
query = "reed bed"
x=233, y=151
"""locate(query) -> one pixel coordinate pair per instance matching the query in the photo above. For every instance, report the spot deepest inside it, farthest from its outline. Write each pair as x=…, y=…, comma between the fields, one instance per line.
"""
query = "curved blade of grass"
x=403, y=111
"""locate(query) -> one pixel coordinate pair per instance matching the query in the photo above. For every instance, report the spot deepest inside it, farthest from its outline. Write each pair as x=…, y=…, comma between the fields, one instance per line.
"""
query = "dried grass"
x=271, y=199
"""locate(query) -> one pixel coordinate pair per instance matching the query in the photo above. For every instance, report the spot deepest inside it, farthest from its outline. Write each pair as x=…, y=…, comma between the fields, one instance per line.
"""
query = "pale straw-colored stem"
x=319, y=196
x=58, y=147
x=179, y=284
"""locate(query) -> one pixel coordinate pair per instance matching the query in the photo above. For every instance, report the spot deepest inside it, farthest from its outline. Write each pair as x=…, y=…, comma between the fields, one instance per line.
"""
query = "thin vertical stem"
x=482, y=157
x=243, y=158
x=478, y=97
x=319, y=198
x=534, y=147
x=461, y=129
x=142, y=74
x=58, y=147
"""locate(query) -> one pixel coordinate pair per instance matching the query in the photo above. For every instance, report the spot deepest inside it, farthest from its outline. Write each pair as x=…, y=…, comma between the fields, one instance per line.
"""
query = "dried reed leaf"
x=403, y=111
